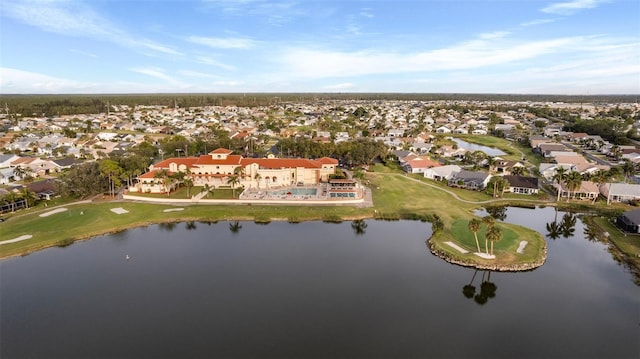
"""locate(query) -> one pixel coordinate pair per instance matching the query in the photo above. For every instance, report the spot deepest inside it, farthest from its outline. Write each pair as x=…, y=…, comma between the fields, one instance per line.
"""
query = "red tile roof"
x=208, y=160
x=221, y=151
x=328, y=161
x=187, y=161
x=277, y=163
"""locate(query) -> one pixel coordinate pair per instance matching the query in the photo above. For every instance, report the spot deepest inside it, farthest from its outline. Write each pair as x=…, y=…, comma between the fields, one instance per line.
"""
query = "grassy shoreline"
x=396, y=196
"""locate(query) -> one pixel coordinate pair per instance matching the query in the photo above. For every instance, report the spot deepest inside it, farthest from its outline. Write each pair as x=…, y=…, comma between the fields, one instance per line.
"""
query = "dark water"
x=311, y=290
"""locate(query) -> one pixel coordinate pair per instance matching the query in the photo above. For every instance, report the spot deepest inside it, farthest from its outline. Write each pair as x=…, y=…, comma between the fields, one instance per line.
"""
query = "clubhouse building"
x=217, y=167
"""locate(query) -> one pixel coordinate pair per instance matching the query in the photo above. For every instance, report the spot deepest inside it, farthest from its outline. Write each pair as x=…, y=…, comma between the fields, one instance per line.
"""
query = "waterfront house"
x=522, y=184
x=620, y=192
x=442, y=173
x=474, y=180
x=629, y=221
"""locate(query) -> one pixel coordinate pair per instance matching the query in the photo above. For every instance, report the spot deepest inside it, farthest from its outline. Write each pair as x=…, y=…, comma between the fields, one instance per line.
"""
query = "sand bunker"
x=57, y=210
x=173, y=210
x=18, y=239
x=119, y=210
x=484, y=255
x=521, y=247
x=456, y=247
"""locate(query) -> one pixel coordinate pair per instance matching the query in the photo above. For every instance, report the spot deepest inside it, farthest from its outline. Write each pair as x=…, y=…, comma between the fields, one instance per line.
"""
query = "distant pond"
x=490, y=151
x=354, y=289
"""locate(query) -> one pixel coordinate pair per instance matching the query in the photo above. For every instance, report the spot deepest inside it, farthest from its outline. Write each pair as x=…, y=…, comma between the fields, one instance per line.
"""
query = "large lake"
x=312, y=290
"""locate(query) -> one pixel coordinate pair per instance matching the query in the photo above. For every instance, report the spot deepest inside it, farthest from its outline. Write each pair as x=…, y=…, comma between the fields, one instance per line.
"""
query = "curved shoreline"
x=516, y=267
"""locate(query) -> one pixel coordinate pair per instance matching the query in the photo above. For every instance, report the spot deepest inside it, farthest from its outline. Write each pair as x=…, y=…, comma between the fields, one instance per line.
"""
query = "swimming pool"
x=294, y=192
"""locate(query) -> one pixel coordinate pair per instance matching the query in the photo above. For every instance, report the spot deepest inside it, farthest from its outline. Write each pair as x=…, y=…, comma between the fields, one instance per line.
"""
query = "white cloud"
x=537, y=22
x=477, y=53
x=75, y=19
x=223, y=43
x=83, y=53
x=19, y=81
x=493, y=35
x=570, y=7
x=155, y=72
x=367, y=12
x=213, y=62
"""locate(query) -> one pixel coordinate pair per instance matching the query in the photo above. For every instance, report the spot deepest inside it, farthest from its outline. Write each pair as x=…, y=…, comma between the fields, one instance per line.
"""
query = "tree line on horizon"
x=67, y=104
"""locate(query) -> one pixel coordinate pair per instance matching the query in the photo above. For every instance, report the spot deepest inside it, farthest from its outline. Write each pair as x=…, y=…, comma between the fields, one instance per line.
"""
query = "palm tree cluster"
x=493, y=233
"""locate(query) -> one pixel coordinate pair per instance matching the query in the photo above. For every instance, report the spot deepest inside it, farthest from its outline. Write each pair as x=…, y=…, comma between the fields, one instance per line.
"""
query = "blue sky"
x=431, y=46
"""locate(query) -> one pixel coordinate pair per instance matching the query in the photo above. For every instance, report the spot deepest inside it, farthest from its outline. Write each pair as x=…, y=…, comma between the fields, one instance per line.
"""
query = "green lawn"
x=394, y=196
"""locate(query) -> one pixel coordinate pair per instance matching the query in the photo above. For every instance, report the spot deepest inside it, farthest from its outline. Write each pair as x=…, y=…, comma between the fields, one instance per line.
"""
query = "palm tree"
x=359, y=226
x=113, y=171
x=26, y=194
x=494, y=234
x=163, y=175
x=628, y=169
x=489, y=222
x=233, y=181
x=188, y=182
x=474, y=226
x=559, y=177
x=517, y=171
x=573, y=181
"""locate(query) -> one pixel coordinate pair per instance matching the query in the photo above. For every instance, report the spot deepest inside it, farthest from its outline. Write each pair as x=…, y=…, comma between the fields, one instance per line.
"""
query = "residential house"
x=629, y=221
x=536, y=140
x=620, y=192
x=470, y=180
x=419, y=164
x=548, y=170
x=545, y=149
x=588, y=190
x=6, y=175
x=502, y=166
x=421, y=147
x=522, y=184
x=442, y=173
x=6, y=160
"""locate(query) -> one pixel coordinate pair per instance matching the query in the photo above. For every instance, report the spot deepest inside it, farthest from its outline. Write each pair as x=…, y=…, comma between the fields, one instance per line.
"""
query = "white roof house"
x=442, y=173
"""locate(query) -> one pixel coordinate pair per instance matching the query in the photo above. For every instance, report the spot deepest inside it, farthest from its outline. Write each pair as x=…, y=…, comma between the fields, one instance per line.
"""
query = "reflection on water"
x=487, y=288
x=311, y=290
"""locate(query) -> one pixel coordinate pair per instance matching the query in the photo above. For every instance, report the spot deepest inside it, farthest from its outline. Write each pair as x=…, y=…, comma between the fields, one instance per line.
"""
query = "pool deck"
x=261, y=197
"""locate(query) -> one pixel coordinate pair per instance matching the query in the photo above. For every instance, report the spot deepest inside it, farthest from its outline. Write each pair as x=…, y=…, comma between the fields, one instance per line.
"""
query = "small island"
x=487, y=245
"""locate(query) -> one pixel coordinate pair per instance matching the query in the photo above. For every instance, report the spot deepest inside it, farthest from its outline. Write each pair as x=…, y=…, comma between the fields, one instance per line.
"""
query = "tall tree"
x=164, y=176
x=113, y=171
x=233, y=180
x=573, y=182
x=559, y=177
x=628, y=169
x=474, y=226
x=489, y=221
x=494, y=234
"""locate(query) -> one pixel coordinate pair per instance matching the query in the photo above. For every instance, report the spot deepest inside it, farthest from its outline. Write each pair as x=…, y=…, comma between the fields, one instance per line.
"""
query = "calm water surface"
x=311, y=290
x=474, y=147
